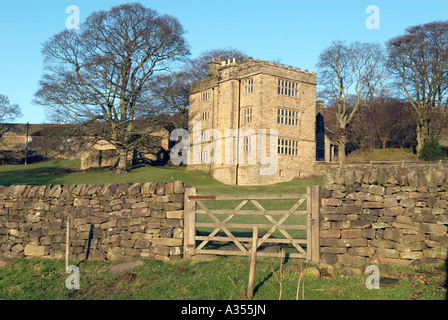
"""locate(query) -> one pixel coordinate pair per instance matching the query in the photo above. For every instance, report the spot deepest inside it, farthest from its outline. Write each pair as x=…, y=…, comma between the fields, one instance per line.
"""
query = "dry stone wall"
x=391, y=215
x=111, y=221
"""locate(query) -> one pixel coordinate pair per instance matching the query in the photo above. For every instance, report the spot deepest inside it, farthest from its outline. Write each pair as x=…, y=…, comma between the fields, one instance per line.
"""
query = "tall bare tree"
x=350, y=75
x=418, y=60
x=171, y=90
x=99, y=73
x=8, y=112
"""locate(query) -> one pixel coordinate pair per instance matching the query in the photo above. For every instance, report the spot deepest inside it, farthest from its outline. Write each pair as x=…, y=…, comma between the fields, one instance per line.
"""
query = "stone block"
x=361, y=224
x=169, y=206
x=174, y=223
x=412, y=255
x=432, y=228
x=380, y=225
x=393, y=211
x=329, y=242
x=333, y=217
x=330, y=233
x=79, y=202
x=333, y=250
x=175, y=214
x=348, y=209
x=404, y=219
x=368, y=233
x=369, y=204
x=362, y=251
x=341, y=224
x=390, y=202
x=351, y=259
x=377, y=190
x=142, y=236
x=331, y=202
x=350, y=233
x=169, y=242
x=142, y=244
x=435, y=253
x=407, y=203
x=109, y=224
x=388, y=253
x=356, y=242
x=178, y=187
x=36, y=251
x=393, y=234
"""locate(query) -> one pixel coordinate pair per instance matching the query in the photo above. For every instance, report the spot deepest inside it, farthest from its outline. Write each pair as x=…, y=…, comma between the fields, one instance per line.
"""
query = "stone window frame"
x=289, y=147
x=288, y=116
x=205, y=136
x=288, y=88
x=205, y=115
x=249, y=86
x=247, y=145
x=204, y=96
x=203, y=156
x=247, y=114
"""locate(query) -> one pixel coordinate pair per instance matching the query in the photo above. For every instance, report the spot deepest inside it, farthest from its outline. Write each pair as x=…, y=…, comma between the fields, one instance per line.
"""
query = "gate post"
x=315, y=197
x=189, y=223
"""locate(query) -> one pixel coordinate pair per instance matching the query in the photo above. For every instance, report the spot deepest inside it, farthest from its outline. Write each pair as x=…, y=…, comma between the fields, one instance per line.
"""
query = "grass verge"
x=222, y=279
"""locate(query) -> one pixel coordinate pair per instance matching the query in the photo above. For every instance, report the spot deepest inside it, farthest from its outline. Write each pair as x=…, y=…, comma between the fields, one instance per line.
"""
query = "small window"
x=247, y=115
x=288, y=117
x=204, y=96
x=247, y=145
x=205, y=115
x=203, y=156
x=288, y=147
x=205, y=135
x=249, y=86
x=288, y=88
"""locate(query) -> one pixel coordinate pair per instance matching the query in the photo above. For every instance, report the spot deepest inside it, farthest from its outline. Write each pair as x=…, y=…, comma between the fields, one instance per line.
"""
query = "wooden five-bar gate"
x=302, y=247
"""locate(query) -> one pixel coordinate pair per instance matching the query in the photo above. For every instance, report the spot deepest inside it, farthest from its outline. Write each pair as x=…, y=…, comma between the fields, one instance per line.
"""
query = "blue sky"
x=293, y=32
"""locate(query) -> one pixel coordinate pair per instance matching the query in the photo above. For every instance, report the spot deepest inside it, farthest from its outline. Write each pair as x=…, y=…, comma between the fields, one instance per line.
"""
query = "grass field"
x=223, y=279
x=67, y=172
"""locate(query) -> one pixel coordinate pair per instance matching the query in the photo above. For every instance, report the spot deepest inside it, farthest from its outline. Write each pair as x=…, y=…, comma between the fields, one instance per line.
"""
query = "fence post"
x=316, y=194
x=67, y=243
x=253, y=259
x=189, y=223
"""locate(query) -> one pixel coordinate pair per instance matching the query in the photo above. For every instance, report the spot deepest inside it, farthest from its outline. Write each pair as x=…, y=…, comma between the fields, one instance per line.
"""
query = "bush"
x=431, y=151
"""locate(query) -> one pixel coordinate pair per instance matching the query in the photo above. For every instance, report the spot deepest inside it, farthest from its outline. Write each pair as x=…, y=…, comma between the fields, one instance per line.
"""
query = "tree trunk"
x=122, y=161
x=341, y=148
x=422, y=132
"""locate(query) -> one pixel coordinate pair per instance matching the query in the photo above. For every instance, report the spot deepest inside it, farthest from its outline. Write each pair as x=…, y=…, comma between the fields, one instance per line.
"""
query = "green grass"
x=221, y=279
x=67, y=172
x=382, y=155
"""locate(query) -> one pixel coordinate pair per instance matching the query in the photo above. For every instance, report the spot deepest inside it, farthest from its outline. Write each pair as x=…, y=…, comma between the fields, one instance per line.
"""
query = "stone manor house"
x=252, y=96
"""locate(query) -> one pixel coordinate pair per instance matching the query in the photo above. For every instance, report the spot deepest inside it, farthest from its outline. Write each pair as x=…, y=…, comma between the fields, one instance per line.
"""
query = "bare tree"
x=418, y=60
x=100, y=72
x=171, y=90
x=349, y=75
x=8, y=112
x=386, y=123
x=197, y=68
